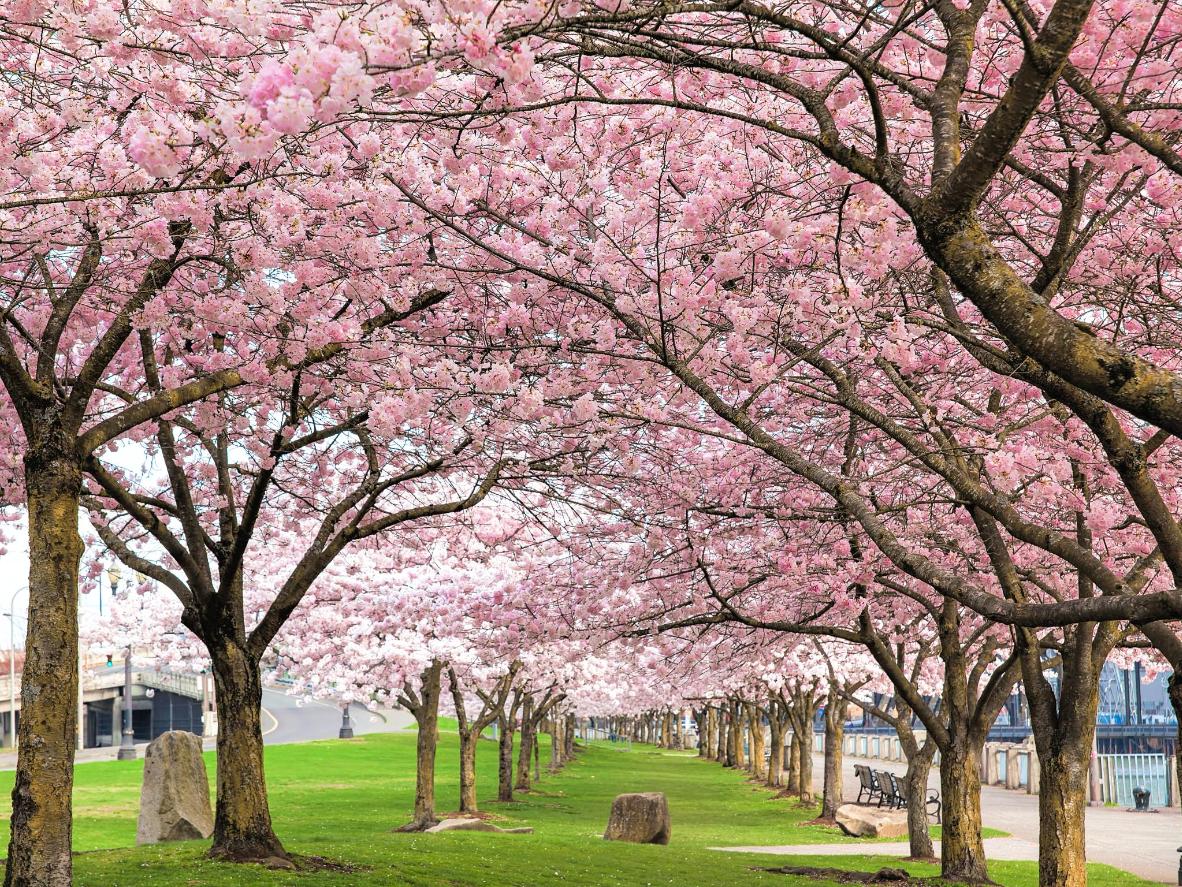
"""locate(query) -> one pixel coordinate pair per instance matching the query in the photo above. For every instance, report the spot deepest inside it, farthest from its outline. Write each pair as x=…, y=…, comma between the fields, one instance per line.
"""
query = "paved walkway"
x=995, y=848
x=1145, y=844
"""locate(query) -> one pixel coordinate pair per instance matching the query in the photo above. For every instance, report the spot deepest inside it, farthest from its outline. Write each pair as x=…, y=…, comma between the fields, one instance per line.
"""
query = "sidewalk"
x=1145, y=844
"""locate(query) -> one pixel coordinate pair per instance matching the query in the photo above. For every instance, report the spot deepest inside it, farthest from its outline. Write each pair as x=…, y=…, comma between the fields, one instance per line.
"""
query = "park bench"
x=868, y=784
x=894, y=794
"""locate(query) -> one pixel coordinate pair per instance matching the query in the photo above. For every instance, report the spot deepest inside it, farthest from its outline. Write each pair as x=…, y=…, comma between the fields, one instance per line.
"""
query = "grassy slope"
x=339, y=800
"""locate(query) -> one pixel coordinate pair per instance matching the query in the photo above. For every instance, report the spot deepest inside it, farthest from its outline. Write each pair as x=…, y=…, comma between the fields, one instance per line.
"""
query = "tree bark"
x=39, y=848
x=468, y=772
x=793, y=786
x=755, y=730
x=831, y=794
x=722, y=738
x=506, y=730
x=805, y=756
x=242, y=829
x=1062, y=799
x=775, y=761
x=425, y=708
x=527, y=743
x=962, y=851
x=919, y=767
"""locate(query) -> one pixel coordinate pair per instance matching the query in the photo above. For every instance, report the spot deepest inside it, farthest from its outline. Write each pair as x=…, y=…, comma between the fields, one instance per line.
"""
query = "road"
x=289, y=719
x=285, y=719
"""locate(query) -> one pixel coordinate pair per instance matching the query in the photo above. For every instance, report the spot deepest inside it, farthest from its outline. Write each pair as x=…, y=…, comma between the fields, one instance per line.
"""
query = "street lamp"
x=114, y=572
x=127, y=743
x=346, y=723
x=11, y=614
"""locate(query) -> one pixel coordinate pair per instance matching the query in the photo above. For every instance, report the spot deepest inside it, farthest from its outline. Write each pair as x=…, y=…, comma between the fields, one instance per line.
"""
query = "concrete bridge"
x=160, y=701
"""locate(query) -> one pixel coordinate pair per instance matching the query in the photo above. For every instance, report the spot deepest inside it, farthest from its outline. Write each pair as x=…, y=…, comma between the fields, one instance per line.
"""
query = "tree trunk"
x=505, y=760
x=831, y=795
x=555, y=744
x=39, y=849
x=468, y=771
x=527, y=743
x=755, y=730
x=1062, y=799
x=242, y=822
x=919, y=767
x=961, y=850
x=805, y=756
x=793, y=765
x=722, y=739
x=775, y=761
x=427, y=716
x=568, y=737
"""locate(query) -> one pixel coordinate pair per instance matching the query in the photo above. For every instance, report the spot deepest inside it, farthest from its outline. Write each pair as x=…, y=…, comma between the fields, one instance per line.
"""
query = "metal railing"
x=1120, y=774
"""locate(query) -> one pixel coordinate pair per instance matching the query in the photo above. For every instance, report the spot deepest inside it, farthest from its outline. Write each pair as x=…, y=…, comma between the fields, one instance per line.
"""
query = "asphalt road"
x=289, y=719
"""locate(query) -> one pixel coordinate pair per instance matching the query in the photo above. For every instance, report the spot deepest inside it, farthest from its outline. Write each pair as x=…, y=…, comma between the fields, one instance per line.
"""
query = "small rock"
x=464, y=824
x=640, y=818
x=871, y=822
x=174, y=800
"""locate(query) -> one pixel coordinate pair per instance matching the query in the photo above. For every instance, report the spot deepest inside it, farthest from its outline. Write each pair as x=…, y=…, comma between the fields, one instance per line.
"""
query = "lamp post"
x=346, y=723
x=127, y=743
x=11, y=614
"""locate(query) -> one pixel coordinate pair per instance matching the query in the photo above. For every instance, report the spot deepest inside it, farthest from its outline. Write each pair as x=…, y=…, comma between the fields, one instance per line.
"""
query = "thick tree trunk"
x=962, y=851
x=805, y=755
x=468, y=771
x=755, y=730
x=1062, y=799
x=242, y=822
x=555, y=744
x=723, y=745
x=793, y=786
x=919, y=767
x=775, y=761
x=39, y=849
x=527, y=744
x=505, y=760
x=831, y=794
x=427, y=716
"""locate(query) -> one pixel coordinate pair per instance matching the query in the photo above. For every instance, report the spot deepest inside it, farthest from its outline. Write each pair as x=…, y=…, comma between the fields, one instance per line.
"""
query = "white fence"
x=1120, y=774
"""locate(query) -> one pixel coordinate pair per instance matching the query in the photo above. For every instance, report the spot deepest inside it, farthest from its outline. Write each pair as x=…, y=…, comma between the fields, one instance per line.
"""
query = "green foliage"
x=340, y=799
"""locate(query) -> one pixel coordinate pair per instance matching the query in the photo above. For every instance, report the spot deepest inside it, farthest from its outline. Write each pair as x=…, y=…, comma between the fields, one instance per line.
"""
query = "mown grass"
x=340, y=800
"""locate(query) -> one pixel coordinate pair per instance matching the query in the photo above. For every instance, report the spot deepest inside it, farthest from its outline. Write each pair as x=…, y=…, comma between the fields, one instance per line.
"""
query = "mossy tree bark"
x=831, y=793
x=755, y=731
x=424, y=705
x=507, y=728
x=527, y=743
x=39, y=849
x=242, y=829
x=776, y=725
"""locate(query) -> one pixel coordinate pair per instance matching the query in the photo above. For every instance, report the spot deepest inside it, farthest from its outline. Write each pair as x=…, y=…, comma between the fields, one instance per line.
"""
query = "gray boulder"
x=871, y=822
x=640, y=818
x=465, y=824
x=174, y=800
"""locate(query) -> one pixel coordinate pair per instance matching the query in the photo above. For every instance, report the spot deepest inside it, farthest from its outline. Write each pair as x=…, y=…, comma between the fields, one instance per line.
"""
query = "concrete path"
x=995, y=848
x=1145, y=844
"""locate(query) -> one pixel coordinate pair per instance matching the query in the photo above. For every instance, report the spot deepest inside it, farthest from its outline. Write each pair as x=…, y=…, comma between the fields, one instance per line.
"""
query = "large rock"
x=871, y=822
x=639, y=818
x=465, y=824
x=174, y=801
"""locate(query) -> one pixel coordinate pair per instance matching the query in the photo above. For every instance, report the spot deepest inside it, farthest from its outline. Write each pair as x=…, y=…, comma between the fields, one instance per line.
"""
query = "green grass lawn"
x=340, y=800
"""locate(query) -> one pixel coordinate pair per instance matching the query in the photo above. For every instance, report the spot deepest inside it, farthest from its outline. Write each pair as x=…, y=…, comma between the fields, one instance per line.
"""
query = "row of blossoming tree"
x=807, y=319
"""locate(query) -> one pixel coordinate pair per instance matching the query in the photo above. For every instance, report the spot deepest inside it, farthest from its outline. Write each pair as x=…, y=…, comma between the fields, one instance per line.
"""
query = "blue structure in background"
x=1135, y=716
